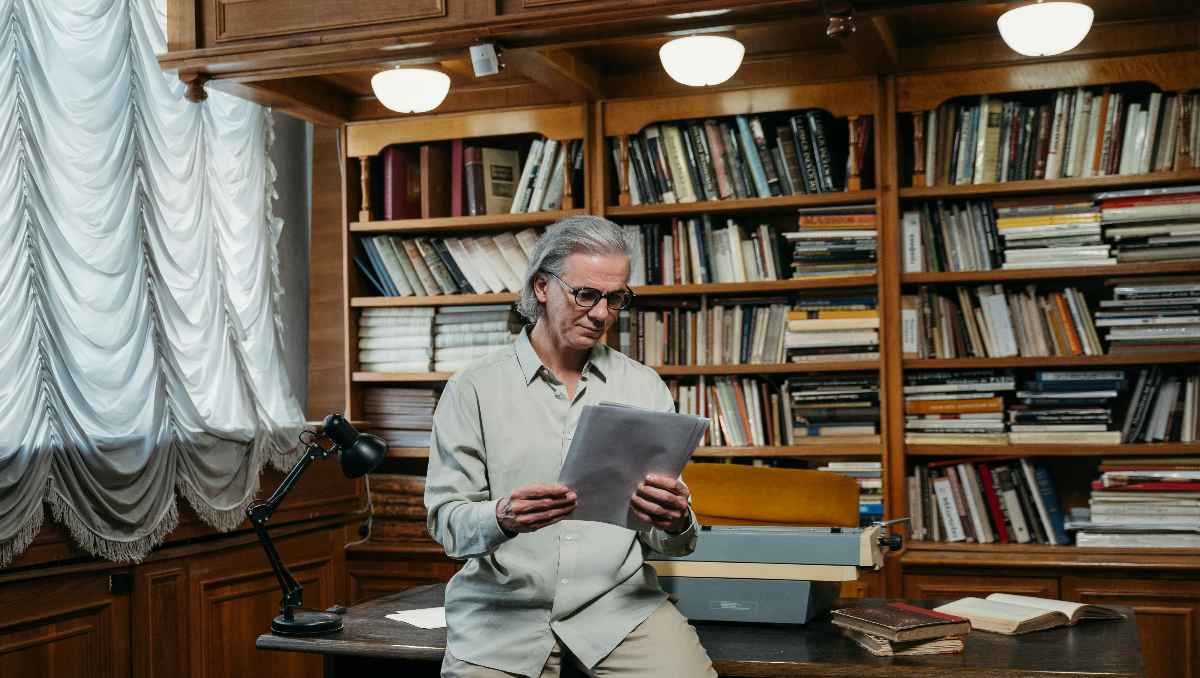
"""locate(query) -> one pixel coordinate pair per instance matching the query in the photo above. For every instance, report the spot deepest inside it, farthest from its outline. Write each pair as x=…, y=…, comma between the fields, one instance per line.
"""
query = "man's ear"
x=539, y=287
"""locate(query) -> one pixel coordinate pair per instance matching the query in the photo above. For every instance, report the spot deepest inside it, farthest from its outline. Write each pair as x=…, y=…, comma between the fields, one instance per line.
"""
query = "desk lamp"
x=360, y=453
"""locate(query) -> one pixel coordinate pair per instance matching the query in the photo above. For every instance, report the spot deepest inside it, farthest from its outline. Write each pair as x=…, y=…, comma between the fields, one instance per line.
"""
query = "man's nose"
x=600, y=311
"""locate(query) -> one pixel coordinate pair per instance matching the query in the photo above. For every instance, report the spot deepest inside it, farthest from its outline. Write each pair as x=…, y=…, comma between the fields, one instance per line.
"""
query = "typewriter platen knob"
x=892, y=542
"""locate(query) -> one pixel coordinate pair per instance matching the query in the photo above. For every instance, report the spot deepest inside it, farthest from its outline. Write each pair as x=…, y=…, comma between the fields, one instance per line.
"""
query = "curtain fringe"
x=10, y=549
x=118, y=551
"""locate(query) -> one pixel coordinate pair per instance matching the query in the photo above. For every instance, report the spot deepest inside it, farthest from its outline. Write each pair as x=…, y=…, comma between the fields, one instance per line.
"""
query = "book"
x=899, y=621
x=500, y=172
x=1012, y=614
x=882, y=647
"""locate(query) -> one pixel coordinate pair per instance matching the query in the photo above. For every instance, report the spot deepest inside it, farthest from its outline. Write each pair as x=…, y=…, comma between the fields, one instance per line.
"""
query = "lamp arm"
x=260, y=513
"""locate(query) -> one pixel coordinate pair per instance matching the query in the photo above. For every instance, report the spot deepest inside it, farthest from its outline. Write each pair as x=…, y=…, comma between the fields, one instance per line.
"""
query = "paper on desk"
x=427, y=618
x=614, y=447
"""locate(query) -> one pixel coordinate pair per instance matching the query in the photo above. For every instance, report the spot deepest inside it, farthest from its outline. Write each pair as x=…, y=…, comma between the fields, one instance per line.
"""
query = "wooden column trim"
x=364, y=212
x=625, y=199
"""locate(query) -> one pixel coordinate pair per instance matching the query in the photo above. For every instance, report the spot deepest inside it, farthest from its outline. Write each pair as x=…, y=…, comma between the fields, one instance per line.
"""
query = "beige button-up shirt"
x=505, y=422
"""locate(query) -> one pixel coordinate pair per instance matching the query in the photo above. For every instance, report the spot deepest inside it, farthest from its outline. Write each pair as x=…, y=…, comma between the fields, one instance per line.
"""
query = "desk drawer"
x=946, y=587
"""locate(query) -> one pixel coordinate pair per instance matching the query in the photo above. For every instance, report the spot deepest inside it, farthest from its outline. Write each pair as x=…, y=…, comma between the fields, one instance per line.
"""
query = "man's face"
x=572, y=325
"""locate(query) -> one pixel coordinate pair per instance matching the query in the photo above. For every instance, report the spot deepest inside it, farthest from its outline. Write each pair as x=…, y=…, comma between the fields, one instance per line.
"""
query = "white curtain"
x=140, y=338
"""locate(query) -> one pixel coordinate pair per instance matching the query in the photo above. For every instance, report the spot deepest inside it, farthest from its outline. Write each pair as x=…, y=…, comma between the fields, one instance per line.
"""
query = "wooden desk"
x=371, y=645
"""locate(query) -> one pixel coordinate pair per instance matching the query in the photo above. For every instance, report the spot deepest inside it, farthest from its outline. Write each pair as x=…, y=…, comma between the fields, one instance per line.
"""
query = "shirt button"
x=564, y=580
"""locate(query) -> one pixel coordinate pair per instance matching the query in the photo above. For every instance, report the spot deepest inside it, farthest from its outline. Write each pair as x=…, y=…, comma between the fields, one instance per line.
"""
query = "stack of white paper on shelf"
x=395, y=339
x=462, y=334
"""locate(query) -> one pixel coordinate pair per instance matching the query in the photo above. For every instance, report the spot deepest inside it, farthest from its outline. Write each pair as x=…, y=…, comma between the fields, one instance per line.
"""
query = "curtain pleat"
x=139, y=282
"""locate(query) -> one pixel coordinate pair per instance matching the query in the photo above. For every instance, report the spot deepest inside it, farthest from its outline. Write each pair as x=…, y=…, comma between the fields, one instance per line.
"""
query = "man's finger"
x=526, y=506
x=664, y=482
x=658, y=511
x=663, y=497
x=532, y=519
x=540, y=490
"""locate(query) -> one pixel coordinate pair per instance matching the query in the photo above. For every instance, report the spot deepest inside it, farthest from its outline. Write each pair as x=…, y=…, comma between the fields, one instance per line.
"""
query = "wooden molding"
x=310, y=100
x=242, y=19
x=558, y=71
x=554, y=122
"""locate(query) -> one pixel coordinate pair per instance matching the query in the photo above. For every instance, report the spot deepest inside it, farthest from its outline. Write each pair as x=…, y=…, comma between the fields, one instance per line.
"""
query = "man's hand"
x=663, y=502
x=532, y=507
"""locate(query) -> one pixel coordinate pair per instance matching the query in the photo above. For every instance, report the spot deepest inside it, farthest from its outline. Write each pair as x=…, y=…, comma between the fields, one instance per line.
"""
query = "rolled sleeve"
x=461, y=510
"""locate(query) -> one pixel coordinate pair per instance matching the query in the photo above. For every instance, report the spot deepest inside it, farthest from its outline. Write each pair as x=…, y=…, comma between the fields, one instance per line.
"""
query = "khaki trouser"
x=663, y=646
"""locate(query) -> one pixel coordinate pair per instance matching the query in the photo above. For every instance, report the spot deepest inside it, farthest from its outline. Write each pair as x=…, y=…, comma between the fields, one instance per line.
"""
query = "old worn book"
x=1012, y=614
x=501, y=169
x=897, y=621
x=886, y=648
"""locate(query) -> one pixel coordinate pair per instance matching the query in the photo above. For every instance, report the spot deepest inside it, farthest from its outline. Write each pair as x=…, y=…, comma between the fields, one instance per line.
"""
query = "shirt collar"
x=599, y=358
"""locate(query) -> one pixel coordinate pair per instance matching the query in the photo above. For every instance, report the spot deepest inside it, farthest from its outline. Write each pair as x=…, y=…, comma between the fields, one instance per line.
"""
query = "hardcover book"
x=902, y=622
x=1012, y=614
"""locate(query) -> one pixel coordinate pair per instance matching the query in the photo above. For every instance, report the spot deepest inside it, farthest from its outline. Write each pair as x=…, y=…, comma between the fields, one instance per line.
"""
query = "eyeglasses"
x=588, y=297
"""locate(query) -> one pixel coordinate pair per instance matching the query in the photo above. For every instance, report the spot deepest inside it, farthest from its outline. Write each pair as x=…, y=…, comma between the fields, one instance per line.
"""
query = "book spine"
x=825, y=164
x=704, y=160
x=752, y=157
x=474, y=180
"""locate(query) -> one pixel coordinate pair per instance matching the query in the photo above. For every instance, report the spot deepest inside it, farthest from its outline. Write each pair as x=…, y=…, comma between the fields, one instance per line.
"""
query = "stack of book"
x=898, y=629
x=424, y=266
x=1152, y=314
x=1075, y=133
x=1142, y=501
x=842, y=406
x=723, y=334
x=1153, y=224
x=869, y=476
x=834, y=241
x=1051, y=232
x=694, y=251
x=956, y=407
x=833, y=328
x=398, y=507
x=403, y=417
x=461, y=334
x=1162, y=407
x=740, y=157
x=395, y=339
x=991, y=322
x=1071, y=407
x=985, y=501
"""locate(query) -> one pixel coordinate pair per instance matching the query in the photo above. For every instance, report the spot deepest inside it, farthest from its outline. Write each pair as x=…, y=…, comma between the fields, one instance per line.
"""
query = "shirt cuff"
x=678, y=544
x=493, y=534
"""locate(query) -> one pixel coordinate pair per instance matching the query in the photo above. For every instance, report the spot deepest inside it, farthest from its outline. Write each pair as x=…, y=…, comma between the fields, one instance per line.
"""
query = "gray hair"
x=584, y=234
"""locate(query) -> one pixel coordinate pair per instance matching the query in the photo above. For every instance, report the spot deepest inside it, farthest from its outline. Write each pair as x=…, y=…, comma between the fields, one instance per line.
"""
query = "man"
x=539, y=590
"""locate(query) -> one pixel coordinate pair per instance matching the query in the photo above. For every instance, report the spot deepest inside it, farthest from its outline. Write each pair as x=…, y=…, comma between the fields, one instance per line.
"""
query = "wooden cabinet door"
x=374, y=570
x=1168, y=616
x=69, y=626
x=949, y=587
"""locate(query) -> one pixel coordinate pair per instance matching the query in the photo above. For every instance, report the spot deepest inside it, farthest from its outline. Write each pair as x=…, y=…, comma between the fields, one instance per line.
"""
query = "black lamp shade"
x=361, y=453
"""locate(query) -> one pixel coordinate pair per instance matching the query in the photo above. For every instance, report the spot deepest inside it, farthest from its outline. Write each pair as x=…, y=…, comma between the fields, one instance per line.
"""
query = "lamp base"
x=307, y=623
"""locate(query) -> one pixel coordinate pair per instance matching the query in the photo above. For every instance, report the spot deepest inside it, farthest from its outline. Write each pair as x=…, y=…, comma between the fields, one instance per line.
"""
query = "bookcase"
x=1163, y=584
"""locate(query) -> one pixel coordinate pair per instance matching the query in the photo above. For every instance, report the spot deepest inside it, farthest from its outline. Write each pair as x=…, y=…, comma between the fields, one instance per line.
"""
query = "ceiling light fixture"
x=701, y=60
x=1045, y=28
x=410, y=90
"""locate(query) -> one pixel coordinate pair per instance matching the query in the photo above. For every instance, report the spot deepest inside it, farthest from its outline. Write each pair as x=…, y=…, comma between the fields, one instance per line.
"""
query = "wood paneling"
x=375, y=569
x=949, y=587
x=161, y=611
x=554, y=122
x=1168, y=615
x=241, y=19
x=64, y=627
x=326, y=301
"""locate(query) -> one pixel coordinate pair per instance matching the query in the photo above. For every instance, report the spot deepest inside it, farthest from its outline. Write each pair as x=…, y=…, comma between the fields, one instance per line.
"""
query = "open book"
x=1012, y=614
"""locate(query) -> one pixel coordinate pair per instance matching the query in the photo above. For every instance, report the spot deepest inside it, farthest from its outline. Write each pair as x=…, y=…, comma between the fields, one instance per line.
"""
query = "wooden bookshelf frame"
x=889, y=99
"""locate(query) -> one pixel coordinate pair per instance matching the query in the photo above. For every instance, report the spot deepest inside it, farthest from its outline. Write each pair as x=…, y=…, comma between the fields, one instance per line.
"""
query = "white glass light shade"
x=1045, y=28
x=700, y=60
x=410, y=90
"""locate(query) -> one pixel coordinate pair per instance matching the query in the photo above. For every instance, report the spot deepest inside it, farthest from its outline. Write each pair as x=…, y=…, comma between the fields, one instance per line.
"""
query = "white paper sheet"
x=426, y=618
x=614, y=448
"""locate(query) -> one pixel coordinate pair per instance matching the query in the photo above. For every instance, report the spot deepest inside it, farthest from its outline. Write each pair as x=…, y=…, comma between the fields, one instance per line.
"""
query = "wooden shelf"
x=756, y=287
x=1147, y=358
x=777, y=204
x=1053, y=450
x=411, y=377
x=946, y=554
x=456, y=224
x=1034, y=186
x=408, y=453
x=768, y=368
x=436, y=300
x=814, y=449
x=1118, y=270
